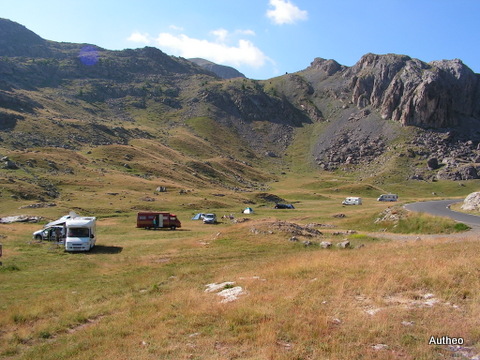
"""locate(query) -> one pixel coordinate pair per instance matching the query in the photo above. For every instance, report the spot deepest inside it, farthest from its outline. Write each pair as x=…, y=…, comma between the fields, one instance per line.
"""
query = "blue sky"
x=263, y=38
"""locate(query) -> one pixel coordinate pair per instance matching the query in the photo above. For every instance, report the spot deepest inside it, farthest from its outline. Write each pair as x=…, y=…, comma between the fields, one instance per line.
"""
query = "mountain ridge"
x=355, y=114
x=225, y=72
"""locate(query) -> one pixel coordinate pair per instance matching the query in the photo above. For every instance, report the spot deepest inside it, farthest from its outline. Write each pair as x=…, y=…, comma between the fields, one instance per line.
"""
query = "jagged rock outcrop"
x=433, y=95
x=328, y=67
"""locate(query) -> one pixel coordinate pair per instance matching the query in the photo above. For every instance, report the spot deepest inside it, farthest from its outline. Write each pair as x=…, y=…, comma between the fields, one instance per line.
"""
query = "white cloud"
x=175, y=27
x=220, y=34
x=284, y=12
x=139, y=38
x=244, y=52
x=245, y=32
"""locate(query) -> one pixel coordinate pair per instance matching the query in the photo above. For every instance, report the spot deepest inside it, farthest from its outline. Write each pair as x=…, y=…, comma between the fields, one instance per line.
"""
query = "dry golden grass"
x=148, y=300
x=141, y=294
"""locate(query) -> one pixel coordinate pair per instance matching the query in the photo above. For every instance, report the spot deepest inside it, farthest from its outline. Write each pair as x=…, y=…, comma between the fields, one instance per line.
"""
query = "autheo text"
x=445, y=340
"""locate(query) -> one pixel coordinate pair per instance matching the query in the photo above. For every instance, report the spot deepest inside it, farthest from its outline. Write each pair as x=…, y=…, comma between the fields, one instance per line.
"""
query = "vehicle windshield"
x=78, y=232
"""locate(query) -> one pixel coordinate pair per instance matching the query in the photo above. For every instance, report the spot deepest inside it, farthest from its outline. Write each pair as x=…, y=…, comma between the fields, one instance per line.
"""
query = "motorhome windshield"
x=78, y=232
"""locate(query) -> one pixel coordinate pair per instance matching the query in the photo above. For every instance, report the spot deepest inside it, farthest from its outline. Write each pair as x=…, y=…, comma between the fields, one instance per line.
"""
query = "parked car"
x=210, y=219
x=49, y=233
x=284, y=206
x=388, y=197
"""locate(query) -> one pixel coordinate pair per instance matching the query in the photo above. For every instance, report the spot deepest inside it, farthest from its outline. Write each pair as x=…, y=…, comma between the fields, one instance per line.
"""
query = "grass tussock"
x=427, y=224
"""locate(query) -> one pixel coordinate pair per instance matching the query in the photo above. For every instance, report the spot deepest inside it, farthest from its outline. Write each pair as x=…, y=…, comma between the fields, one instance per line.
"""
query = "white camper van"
x=388, y=197
x=352, y=201
x=81, y=233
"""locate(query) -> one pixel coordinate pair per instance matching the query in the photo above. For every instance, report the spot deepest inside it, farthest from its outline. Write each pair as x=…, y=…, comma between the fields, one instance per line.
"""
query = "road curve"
x=442, y=208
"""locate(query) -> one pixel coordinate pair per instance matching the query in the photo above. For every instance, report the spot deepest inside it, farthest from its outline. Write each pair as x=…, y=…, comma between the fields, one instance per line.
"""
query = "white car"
x=49, y=233
x=210, y=219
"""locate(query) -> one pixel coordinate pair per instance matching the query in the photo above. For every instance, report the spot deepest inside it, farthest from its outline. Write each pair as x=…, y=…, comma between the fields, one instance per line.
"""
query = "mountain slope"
x=331, y=116
x=225, y=72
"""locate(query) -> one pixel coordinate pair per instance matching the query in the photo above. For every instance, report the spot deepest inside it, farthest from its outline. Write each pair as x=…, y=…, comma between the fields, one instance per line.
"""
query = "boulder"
x=344, y=244
x=325, y=244
x=10, y=165
x=20, y=218
x=472, y=202
x=468, y=172
x=432, y=164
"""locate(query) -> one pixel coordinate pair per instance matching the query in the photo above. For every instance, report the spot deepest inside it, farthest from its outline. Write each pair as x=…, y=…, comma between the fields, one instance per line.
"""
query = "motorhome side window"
x=78, y=232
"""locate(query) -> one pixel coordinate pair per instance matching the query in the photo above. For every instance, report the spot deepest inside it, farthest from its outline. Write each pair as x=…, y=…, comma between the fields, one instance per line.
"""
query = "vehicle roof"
x=81, y=221
x=153, y=212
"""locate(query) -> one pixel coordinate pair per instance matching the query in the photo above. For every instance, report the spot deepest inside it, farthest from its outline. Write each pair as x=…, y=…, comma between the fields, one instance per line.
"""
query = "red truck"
x=157, y=220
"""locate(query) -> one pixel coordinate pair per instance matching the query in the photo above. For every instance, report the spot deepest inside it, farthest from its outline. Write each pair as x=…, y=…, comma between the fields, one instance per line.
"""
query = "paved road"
x=441, y=208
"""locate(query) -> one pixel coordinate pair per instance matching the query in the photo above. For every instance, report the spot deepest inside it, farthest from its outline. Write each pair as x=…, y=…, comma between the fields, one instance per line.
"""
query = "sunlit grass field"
x=141, y=294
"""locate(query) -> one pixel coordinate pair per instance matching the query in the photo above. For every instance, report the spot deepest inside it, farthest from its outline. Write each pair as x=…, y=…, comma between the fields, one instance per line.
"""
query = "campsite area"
x=258, y=286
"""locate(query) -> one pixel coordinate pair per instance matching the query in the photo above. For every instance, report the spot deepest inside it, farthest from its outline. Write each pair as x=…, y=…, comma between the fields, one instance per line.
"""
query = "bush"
x=461, y=227
x=9, y=268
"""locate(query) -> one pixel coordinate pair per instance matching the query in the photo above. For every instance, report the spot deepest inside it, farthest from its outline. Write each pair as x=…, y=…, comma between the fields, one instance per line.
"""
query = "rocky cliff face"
x=433, y=95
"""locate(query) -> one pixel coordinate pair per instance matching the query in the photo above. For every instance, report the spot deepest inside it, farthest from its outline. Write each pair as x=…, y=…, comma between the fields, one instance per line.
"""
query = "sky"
x=262, y=38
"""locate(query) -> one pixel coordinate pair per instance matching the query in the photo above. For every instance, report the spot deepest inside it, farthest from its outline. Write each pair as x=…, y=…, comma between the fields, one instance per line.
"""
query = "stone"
x=468, y=172
x=216, y=287
x=344, y=244
x=20, y=218
x=325, y=244
x=472, y=202
x=231, y=294
x=10, y=165
x=432, y=164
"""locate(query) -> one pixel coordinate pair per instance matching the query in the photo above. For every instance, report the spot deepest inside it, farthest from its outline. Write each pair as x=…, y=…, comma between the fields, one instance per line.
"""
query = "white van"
x=352, y=201
x=81, y=233
x=388, y=197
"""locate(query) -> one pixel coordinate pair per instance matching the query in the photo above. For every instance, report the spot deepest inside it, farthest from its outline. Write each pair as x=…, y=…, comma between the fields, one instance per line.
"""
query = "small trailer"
x=352, y=200
x=157, y=220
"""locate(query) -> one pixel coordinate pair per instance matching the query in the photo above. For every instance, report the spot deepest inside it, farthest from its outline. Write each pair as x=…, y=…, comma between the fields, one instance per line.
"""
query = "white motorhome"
x=81, y=233
x=352, y=201
x=388, y=197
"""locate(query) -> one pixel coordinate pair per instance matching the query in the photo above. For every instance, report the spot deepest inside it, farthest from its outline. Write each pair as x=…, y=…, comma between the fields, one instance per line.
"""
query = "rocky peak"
x=329, y=67
x=412, y=92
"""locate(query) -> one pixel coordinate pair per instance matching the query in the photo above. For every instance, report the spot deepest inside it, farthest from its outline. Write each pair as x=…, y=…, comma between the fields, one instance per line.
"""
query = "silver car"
x=50, y=233
x=209, y=219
